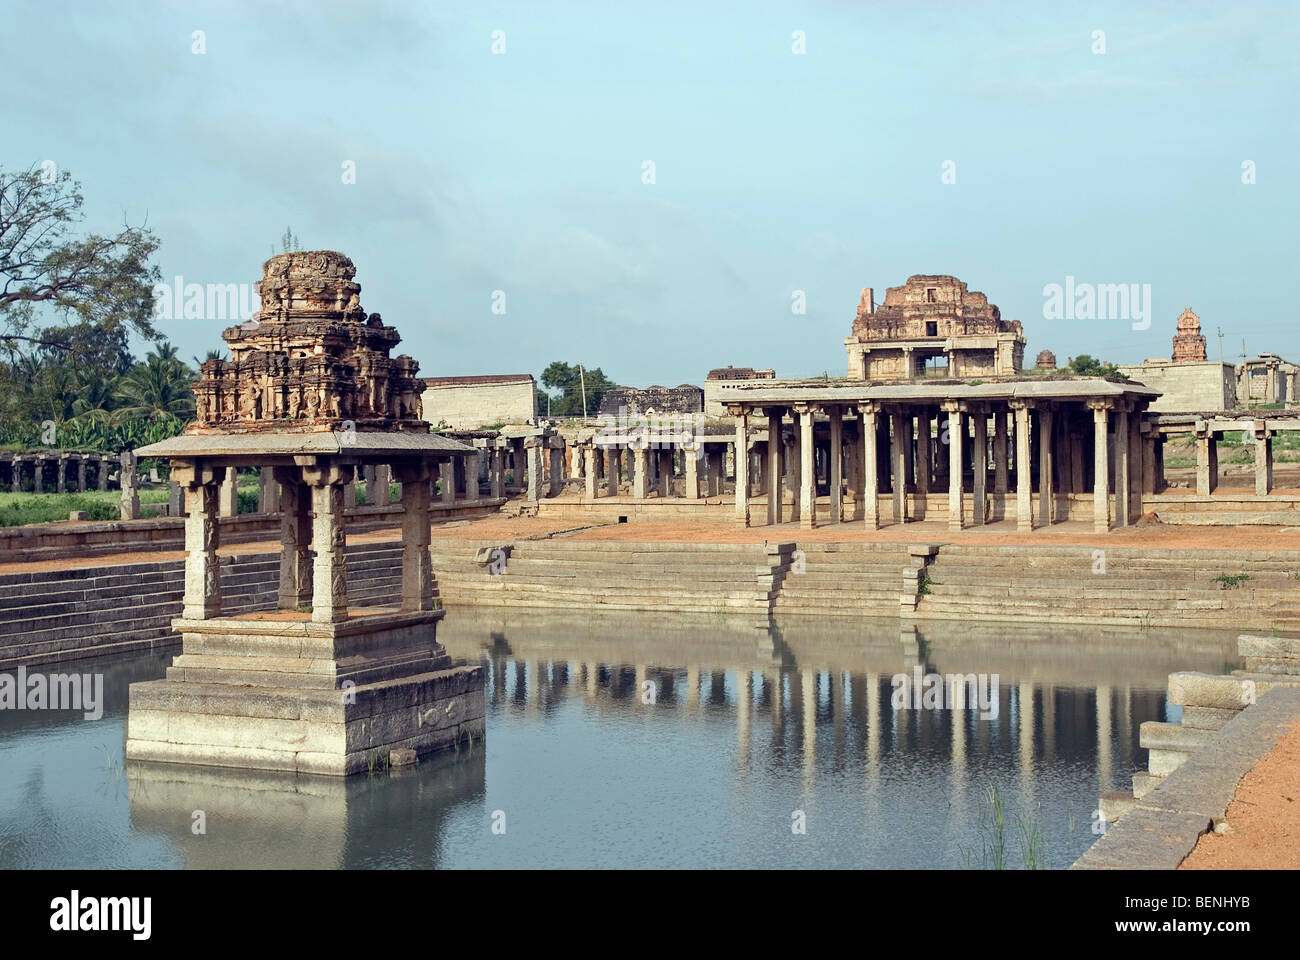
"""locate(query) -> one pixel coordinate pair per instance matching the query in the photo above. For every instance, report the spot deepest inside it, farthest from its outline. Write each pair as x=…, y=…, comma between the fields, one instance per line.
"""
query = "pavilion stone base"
x=312, y=698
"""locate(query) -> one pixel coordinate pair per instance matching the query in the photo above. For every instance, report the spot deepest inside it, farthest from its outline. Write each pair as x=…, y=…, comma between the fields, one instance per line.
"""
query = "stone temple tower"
x=1189, y=344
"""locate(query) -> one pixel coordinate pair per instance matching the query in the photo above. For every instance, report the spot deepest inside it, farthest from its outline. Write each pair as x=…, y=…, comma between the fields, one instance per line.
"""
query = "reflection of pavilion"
x=265, y=819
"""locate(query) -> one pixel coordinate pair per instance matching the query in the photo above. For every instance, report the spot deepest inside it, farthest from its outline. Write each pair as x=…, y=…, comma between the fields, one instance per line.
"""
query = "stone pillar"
x=175, y=499
x=349, y=490
x=898, y=453
x=81, y=474
x=612, y=470
x=1122, y=518
x=229, y=504
x=773, y=471
x=640, y=472
x=267, y=493
x=61, y=483
x=38, y=475
x=1206, y=472
x=979, y=466
x=793, y=452
x=1135, y=466
x=664, y=462
x=497, y=474
x=691, y=463
x=1024, y=499
x=1100, y=468
x=1045, y=497
x=1263, y=459
x=295, y=539
x=870, y=468
x=807, y=470
x=836, y=464
x=955, y=437
x=16, y=473
x=742, y=466
x=447, y=480
x=101, y=477
x=921, y=502
x=383, y=477
x=473, y=471
x=417, y=564
x=329, y=595
x=202, y=599
x=717, y=470
x=533, y=454
x=555, y=456
x=1000, y=474
x=130, y=500
x=589, y=472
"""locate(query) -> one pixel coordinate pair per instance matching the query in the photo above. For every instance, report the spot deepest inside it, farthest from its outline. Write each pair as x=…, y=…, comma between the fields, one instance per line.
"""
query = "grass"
x=995, y=832
x=1231, y=581
x=17, y=509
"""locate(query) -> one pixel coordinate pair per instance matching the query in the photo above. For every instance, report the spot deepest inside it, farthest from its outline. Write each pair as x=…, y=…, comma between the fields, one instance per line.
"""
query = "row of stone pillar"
x=701, y=471
x=900, y=448
x=312, y=535
x=21, y=464
x=1207, y=457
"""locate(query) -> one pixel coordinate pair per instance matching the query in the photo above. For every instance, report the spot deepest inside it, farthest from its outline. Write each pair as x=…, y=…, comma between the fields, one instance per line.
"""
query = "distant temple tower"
x=932, y=316
x=1189, y=344
x=1046, y=360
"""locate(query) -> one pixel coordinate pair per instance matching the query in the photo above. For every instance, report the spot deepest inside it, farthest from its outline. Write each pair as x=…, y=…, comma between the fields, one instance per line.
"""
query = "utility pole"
x=1220, y=344
x=582, y=377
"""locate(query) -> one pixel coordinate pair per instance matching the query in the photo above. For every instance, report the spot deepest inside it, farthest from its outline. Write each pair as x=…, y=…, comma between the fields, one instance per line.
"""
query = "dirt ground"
x=1264, y=817
x=1002, y=533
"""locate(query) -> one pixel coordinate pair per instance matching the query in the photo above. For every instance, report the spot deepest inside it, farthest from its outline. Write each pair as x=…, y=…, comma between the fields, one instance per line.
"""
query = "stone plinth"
x=280, y=692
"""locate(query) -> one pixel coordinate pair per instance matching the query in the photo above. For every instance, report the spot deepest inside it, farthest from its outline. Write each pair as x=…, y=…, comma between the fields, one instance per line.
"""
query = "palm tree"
x=157, y=388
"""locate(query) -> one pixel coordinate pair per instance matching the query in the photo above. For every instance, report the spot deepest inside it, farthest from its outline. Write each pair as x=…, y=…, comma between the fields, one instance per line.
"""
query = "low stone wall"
x=50, y=541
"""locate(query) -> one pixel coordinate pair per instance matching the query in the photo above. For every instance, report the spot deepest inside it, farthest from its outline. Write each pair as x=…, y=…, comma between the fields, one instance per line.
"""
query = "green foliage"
x=1087, y=366
x=18, y=509
x=1231, y=581
x=288, y=242
x=568, y=380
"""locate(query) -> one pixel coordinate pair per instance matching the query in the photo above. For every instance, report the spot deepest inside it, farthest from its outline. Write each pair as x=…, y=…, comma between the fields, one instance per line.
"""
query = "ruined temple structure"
x=311, y=359
x=932, y=316
x=1046, y=360
x=319, y=685
x=1189, y=344
x=652, y=401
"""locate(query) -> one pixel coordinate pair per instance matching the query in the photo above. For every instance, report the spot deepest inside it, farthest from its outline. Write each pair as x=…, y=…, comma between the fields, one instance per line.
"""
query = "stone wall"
x=467, y=403
x=1187, y=387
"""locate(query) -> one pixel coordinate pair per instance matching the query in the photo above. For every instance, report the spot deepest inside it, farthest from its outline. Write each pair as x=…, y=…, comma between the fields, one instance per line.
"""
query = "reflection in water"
x=646, y=741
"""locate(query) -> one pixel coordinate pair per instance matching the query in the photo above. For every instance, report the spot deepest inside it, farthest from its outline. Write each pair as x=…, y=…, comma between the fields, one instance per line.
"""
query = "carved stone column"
x=447, y=480
x=836, y=464
x=589, y=471
x=773, y=471
x=898, y=455
x=1263, y=458
x=229, y=494
x=640, y=472
x=130, y=500
x=81, y=474
x=329, y=597
x=497, y=474
x=1100, y=466
x=417, y=564
x=1045, y=471
x=979, y=466
x=202, y=599
x=295, y=539
x=807, y=470
x=955, y=438
x=870, y=467
x=742, y=465
x=691, y=462
x=1024, y=495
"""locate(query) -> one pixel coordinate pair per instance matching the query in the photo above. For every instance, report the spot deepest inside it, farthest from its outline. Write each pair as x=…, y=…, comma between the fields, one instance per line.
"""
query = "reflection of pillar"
x=744, y=695
x=873, y=727
x=202, y=575
x=742, y=467
x=1049, y=722
x=808, y=690
x=1103, y=739
x=957, y=716
x=593, y=679
x=1025, y=714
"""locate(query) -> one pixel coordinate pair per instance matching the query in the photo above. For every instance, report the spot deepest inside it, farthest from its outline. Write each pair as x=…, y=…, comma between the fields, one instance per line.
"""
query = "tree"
x=289, y=243
x=94, y=285
x=1087, y=366
x=156, y=389
x=568, y=380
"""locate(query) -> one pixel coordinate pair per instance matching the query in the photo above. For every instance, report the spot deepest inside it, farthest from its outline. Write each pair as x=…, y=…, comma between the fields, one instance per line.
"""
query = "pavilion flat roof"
x=753, y=392
x=274, y=443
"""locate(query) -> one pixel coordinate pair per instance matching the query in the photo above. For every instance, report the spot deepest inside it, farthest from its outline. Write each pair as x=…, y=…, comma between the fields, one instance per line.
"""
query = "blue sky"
x=774, y=172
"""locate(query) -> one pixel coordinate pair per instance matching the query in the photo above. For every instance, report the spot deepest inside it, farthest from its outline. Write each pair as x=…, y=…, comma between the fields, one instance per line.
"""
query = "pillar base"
x=293, y=695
